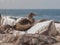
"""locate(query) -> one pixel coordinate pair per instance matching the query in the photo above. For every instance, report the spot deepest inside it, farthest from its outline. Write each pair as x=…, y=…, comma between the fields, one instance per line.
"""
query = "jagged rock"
x=50, y=30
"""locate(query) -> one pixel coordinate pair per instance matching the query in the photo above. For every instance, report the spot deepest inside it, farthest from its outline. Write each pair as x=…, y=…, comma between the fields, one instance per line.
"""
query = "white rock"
x=57, y=25
x=6, y=20
x=39, y=26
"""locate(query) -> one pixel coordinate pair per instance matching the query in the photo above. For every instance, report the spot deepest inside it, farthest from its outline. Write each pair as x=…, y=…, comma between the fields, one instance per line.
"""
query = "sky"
x=29, y=4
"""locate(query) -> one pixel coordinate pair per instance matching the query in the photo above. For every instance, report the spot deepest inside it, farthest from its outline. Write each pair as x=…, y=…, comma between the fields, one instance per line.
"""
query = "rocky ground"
x=47, y=35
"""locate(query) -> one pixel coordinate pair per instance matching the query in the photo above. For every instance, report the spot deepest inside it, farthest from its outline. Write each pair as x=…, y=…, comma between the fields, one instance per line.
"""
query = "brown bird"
x=26, y=23
x=23, y=25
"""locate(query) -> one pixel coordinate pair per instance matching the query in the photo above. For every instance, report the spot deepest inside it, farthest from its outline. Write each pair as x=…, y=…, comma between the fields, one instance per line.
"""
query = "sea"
x=53, y=14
